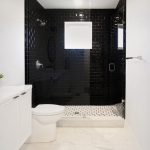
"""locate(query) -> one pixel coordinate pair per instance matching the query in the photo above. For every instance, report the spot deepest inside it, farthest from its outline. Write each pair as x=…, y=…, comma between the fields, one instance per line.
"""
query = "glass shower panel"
x=73, y=76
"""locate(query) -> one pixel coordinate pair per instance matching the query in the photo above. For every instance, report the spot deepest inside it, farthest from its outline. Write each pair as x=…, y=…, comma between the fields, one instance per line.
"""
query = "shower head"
x=42, y=23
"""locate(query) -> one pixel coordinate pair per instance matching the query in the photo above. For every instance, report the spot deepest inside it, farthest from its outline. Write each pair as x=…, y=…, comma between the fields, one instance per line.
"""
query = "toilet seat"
x=47, y=109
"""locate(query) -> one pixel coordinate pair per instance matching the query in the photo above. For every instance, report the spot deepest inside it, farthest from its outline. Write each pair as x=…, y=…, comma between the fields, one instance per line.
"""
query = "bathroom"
x=77, y=75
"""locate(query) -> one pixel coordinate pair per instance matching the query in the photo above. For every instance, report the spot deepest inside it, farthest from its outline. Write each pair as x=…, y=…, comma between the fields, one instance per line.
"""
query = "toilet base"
x=42, y=133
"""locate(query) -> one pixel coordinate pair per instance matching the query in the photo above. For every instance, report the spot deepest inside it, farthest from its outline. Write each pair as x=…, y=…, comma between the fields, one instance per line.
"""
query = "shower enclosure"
x=75, y=77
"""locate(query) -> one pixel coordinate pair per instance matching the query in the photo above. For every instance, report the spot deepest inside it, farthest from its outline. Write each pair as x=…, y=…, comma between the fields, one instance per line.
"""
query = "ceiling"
x=79, y=4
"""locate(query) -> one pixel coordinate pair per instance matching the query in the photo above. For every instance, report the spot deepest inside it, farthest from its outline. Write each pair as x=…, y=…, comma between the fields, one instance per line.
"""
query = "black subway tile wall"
x=98, y=63
x=71, y=76
x=99, y=57
x=35, y=46
x=117, y=78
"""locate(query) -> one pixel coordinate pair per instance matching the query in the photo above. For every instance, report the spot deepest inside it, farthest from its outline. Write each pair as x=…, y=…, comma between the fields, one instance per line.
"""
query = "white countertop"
x=8, y=92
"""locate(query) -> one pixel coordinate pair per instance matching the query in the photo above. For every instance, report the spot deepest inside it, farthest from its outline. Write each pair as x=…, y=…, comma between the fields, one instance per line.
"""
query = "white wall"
x=12, y=41
x=138, y=72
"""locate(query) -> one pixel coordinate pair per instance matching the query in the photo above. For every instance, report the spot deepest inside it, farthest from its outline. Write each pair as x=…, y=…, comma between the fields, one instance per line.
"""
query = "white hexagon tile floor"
x=88, y=139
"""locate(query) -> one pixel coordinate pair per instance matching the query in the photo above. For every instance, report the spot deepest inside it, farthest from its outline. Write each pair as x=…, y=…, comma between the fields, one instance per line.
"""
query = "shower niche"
x=90, y=73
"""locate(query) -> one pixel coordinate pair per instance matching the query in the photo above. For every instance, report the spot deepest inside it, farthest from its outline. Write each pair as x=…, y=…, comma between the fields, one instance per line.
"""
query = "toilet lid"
x=48, y=109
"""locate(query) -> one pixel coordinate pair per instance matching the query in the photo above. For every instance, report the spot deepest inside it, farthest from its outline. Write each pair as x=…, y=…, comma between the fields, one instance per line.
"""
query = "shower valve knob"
x=39, y=64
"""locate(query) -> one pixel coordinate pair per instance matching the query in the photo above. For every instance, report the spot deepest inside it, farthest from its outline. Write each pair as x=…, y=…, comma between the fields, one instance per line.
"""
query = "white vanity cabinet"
x=15, y=116
x=9, y=118
x=25, y=115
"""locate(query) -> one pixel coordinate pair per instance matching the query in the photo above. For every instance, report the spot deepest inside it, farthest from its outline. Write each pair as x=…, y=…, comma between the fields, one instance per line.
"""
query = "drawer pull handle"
x=23, y=93
x=15, y=97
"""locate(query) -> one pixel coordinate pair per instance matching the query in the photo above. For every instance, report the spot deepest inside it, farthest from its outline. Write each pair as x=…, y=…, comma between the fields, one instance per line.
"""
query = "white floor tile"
x=88, y=139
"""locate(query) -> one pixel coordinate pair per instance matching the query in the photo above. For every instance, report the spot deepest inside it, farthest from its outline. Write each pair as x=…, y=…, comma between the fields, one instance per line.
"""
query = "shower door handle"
x=112, y=67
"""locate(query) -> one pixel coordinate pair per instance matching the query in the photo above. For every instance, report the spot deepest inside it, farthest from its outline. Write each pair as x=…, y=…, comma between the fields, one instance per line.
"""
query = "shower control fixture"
x=38, y=64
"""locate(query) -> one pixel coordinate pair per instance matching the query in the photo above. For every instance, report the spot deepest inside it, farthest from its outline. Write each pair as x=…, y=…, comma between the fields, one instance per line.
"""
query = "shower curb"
x=103, y=122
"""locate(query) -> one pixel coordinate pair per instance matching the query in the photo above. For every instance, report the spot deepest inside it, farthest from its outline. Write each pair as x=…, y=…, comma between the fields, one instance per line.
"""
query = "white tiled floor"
x=88, y=139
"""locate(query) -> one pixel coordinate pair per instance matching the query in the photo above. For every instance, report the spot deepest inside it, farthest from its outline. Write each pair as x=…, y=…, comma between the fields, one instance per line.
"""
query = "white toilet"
x=44, y=118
